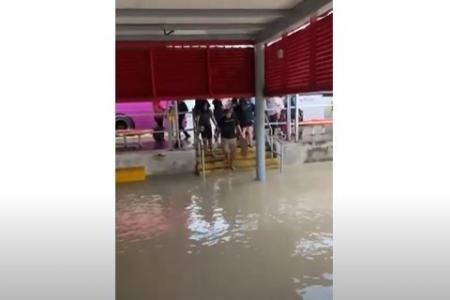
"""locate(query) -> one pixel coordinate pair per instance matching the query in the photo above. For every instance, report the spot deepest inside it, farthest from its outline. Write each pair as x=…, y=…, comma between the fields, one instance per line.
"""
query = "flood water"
x=227, y=238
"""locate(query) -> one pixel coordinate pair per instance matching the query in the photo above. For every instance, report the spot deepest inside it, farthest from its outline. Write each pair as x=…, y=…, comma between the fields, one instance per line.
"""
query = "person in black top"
x=218, y=109
x=234, y=106
x=229, y=130
x=203, y=119
x=245, y=112
x=199, y=106
x=159, y=112
x=218, y=115
x=182, y=110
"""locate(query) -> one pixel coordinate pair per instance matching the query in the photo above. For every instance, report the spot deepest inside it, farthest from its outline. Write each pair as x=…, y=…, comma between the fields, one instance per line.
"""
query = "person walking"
x=229, y=130
x=182, y=110
x=218, y=115
x=245, y=113
x=203, y=121
x=159, y=112
x=274, y=107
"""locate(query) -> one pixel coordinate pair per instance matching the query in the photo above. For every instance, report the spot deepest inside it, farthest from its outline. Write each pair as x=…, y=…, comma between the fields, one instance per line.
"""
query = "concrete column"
x=296, y=119
x=259, y=114
x=288, y=117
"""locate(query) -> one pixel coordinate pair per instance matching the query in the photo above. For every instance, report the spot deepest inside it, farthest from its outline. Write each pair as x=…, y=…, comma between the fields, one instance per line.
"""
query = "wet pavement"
x=227, y=238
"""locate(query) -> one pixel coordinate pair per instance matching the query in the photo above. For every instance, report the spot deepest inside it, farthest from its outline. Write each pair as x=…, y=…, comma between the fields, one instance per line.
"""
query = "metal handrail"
x=281, y=153
x=271, y=138
x=268, y=123
x=199, y=148
x=202, y=151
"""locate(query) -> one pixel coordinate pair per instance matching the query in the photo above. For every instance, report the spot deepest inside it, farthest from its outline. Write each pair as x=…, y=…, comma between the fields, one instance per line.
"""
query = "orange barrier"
x=124, y=133
x=132, y=132
x=316, y=122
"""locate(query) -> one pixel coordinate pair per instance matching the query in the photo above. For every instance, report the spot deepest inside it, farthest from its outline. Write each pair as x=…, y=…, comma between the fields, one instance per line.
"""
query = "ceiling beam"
x=199, y=37
x=192, y=13
x=291, y=19
x=144, y=27
x=196, y=20
x=183, y=32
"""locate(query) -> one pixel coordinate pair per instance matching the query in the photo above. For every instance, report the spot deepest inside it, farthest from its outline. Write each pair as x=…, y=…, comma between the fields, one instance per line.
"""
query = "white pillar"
x=296, y=119
x=259, y=114
x=288, y=117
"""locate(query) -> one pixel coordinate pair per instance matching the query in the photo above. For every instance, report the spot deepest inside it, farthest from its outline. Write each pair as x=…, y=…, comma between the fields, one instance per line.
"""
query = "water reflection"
x=316, y=292
x=224, y=239
x=316, y=244
x=209, y=231
x=201, y=230
x=141, y=218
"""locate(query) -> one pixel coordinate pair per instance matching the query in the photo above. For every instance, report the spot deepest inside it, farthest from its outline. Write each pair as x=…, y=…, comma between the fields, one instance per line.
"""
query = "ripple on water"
x=225, y=224
x=217, y=229
x=315, y=244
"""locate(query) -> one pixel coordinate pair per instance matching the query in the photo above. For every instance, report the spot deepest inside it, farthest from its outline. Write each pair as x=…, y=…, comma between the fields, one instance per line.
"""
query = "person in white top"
x=274, y=107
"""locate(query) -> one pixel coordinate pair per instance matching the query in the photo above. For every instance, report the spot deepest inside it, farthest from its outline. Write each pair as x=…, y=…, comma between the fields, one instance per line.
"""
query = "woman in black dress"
x=218, y=115
x=204, y=117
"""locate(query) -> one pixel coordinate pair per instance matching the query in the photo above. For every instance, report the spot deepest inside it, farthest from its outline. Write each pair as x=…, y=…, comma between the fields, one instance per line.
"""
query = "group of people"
x=233, y=122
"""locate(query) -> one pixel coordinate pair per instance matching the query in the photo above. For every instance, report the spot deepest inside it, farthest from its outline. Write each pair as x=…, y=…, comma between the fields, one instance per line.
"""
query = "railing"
x=289, y=125
x=125, y=133
x=273, y=141
x=280, y=151
x=269, y=135
x=199, y=149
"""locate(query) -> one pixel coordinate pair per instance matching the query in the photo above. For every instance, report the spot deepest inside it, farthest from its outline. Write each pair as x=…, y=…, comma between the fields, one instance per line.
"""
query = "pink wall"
x=140, y=112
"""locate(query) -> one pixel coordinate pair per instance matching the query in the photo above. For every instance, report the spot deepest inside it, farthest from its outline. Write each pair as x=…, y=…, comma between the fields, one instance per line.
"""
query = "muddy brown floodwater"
x=227, y=238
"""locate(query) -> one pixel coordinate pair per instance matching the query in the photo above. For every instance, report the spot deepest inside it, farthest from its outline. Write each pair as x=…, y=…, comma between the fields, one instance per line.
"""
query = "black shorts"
x=246, y=123
x=206, y=131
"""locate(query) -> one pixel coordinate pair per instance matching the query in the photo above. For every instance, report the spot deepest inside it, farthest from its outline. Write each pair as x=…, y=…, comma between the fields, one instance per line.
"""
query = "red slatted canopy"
x=189, y=49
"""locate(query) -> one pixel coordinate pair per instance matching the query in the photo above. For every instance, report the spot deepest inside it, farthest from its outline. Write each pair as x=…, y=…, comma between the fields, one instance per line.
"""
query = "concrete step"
x=239, y=156
x=239, y=164
x=219, y=151
x=226, y=170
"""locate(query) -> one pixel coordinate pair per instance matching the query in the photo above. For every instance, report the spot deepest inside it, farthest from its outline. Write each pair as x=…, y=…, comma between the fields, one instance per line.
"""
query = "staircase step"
x=225, y=170
x=239, y=156
x=219, y=150
x=248, y=163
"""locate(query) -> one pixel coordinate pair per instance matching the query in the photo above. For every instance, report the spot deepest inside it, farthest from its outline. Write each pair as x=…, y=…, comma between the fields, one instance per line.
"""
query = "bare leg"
x=226, y=154
x=232, y=160
x=250, y=136
x=245, y=132
x=210, y=147
x=205, y=145
x=232, y=155
x=227, y=160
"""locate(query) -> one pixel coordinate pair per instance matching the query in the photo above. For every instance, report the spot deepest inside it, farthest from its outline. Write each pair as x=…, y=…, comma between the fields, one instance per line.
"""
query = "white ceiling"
x=203, y=19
